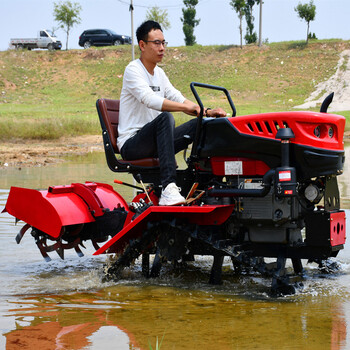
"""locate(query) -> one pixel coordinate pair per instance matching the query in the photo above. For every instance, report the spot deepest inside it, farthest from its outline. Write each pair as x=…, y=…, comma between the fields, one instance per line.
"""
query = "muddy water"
x=64, y=304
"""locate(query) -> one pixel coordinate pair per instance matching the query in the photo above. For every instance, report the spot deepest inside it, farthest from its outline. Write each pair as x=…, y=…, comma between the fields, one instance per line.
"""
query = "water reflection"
x=133, y=317
x=52, y=328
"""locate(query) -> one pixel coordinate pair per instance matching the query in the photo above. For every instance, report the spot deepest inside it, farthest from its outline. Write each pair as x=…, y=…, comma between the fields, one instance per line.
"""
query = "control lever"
x=139, y=179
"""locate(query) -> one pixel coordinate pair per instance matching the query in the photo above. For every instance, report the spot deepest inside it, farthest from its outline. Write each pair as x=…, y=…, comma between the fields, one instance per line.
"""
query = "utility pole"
x=260, y=24
x=131, y=9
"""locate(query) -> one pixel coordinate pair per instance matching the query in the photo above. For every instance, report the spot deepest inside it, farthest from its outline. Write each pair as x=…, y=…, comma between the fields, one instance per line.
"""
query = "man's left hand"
x=216, y=112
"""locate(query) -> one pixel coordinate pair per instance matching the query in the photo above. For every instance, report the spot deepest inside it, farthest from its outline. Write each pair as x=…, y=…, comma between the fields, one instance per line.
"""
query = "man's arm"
x=187, y=107
x=173, y=102
x=190, y=108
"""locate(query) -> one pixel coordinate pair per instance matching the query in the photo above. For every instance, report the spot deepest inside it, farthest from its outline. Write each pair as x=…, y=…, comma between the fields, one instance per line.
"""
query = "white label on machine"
x=284, y=175
x=233, y=168
x=252, y=185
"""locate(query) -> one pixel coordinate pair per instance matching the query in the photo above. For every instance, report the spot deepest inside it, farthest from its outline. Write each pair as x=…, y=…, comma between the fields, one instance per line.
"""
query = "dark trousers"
x=159, y=138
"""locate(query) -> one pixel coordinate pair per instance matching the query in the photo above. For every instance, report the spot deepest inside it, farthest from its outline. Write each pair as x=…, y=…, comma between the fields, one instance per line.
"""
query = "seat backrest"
x=109, y=111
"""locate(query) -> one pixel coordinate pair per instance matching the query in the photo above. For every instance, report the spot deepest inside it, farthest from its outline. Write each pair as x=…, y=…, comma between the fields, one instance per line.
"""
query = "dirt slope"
x=339, y=83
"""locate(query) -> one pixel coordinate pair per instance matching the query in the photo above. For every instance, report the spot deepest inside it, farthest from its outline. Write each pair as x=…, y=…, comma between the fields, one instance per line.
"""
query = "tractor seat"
x=108, y=112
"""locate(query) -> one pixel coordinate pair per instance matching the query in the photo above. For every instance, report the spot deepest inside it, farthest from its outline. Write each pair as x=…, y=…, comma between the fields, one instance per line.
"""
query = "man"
x=146, y=126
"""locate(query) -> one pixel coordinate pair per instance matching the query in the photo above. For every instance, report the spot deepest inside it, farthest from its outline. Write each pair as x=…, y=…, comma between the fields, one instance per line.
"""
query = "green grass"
x=45, y=95
x=158, y=345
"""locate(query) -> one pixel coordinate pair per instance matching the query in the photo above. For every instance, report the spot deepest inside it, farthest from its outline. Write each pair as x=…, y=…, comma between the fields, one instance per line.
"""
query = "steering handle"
x=213, y=87
x=194, y=152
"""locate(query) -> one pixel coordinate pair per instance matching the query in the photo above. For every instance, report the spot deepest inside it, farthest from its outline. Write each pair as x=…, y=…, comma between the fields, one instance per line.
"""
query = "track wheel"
x=132, y=251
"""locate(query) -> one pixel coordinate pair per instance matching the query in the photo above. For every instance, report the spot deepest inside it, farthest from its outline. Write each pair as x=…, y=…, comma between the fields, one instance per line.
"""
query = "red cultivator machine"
x=258, y=186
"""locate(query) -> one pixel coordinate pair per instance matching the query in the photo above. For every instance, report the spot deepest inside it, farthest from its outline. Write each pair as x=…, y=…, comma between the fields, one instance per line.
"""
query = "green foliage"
x=158, y=15
x=251, y=36
x=306, y=12
x=67, y=15
x=189, y=21
x=240, y=7
x=158, y=345
x=47, y=129
x=312, y=36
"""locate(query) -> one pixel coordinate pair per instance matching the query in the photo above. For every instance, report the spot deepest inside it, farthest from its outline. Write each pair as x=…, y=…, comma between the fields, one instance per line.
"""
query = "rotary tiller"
x=257, y=186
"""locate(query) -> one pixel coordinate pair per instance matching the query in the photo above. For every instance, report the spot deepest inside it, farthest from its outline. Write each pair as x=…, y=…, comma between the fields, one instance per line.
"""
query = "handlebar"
x=194, y=152
x=213, y=87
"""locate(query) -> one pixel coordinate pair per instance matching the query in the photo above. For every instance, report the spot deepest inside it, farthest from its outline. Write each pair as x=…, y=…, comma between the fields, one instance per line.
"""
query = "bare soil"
x=30, y=153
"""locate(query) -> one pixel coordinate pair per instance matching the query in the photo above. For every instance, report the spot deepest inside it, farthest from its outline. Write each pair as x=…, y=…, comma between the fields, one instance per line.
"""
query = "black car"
x=102, y=37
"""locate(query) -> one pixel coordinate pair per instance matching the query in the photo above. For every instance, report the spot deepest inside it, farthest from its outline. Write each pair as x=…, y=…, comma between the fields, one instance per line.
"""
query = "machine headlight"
x=330, y=132
x=317, y=131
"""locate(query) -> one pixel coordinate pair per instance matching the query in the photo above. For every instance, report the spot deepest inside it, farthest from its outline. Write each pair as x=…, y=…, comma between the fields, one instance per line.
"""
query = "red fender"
x=200, y=215
x=59, y=206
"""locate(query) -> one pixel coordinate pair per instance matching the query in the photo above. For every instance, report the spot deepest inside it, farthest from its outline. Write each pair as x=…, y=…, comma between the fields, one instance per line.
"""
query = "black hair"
x=143, y=30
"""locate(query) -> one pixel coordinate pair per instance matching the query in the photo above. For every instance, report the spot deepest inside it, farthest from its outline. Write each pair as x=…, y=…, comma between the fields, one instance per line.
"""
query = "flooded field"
x=64, y=304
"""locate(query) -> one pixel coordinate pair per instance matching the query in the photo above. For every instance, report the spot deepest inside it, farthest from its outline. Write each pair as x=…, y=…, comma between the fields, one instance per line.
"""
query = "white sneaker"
x=171, y=195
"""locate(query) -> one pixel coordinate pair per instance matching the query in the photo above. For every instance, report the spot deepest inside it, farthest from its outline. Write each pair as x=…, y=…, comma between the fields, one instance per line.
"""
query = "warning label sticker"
x=233, y=168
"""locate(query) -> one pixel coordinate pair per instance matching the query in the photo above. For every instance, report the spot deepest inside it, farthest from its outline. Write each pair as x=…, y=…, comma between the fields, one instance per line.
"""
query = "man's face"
x=150, y=50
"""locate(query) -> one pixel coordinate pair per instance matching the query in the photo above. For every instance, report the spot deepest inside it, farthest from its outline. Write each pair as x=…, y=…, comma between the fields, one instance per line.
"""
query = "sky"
x=218, y=22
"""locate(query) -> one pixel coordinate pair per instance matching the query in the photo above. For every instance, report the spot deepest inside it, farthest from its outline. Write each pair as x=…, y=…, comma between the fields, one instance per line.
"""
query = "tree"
x=158, y=15
x=239, y=6
x=67, y=15
x=189, y=21
x=260, y=23
x=308, y=13
x=251, y=36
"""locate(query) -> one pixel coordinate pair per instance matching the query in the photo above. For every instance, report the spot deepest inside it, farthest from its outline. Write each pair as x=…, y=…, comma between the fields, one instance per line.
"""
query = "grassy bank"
x=45, y=95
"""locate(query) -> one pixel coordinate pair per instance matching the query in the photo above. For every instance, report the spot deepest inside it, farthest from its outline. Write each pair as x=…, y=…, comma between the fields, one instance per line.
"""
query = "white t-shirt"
x=142, y=98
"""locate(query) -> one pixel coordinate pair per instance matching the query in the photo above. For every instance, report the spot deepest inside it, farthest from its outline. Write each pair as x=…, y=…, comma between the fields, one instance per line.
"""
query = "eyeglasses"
x=157, y=42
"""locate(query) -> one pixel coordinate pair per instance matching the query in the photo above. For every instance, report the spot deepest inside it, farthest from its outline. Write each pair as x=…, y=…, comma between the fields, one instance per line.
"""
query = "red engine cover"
x=330, y=127
x=226, y=166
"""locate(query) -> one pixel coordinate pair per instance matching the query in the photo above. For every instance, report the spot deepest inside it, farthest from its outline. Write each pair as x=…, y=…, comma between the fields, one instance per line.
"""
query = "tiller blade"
x=68, y=215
